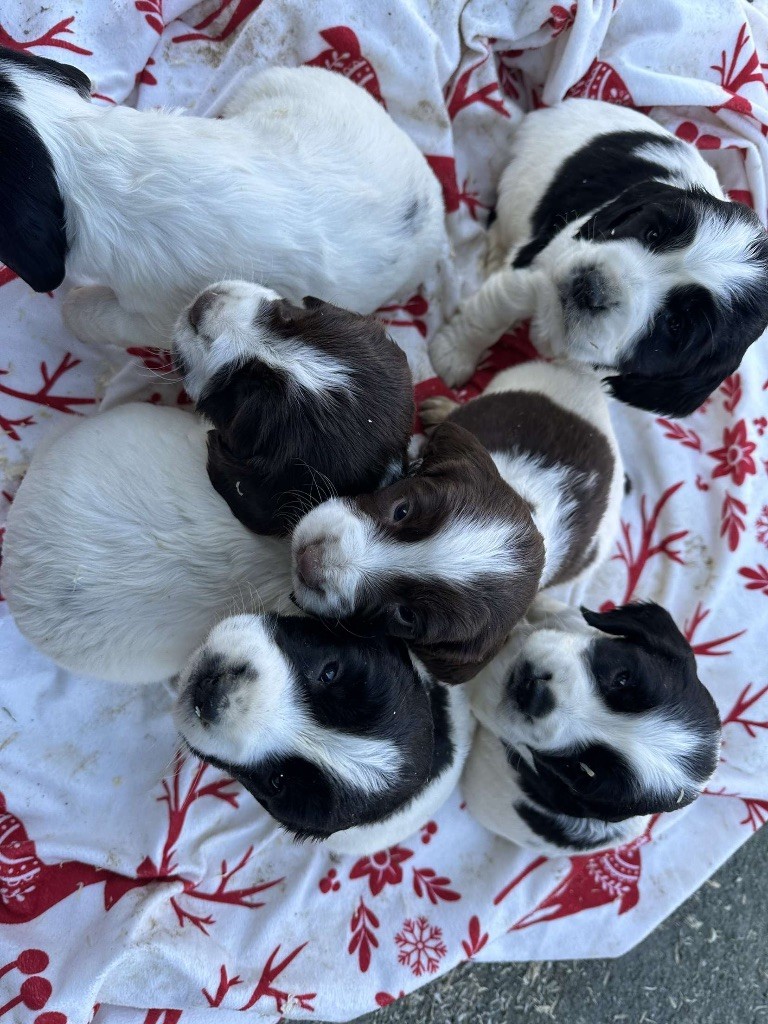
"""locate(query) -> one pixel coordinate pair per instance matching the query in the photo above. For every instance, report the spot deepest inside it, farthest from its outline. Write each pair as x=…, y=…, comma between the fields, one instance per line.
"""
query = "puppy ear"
x=645, y=623
x=670, y=396
x=33, y=240
x=452, y=448
x=312, y=302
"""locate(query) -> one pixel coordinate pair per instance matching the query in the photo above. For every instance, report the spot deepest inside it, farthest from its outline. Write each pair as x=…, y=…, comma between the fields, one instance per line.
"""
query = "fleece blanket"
x=140, y=887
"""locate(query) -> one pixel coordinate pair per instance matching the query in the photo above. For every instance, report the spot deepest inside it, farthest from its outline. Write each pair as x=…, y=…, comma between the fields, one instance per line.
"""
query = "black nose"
x=208, y=697
x=529, y=690
x=199, y=306
x=589, y=290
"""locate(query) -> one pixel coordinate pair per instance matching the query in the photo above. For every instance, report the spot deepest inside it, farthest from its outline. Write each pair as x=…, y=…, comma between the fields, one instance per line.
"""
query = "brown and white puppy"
x=307, y=402
x=517, y=490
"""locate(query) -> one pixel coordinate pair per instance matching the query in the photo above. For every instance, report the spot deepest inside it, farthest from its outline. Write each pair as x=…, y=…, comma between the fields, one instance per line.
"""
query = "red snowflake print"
x=242, y=10
x=49, y=38
x=560, y=18
x=732, y=523
x=761, y=526
x=153, y=13
x=635, y=558
x=677, y=432
x=602, y=82
x=363, y=925
x=733, y=77
x=329, y=883
x=458, y=96
x=735, y=456
x=382, y=869
x=265, y=987
x=706, y=647
x=427, y=882
x=421, y=946
x=731, y=388
x=429, y=830
x=346, y=57
x=407, y=314
x=689, y=132
x=476, y=938
x=744, y=703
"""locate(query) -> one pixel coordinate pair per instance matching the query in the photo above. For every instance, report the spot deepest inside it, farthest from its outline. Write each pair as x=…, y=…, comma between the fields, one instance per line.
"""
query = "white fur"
x=302, y=185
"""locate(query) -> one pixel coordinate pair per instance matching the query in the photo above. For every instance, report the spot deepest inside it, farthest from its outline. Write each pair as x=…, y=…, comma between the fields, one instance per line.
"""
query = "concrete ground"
x=707, y=964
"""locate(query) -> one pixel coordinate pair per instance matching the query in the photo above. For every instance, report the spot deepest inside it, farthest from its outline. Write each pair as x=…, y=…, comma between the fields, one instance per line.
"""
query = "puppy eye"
x=405, y=615
x=329, y=673
x=277, y=782
x=652, y=235
x=400, y=511
x=620, y=680
x=674, y=324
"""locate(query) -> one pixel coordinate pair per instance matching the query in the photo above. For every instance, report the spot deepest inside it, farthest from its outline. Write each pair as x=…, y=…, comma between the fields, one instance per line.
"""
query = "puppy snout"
x=208, y=697
x=200, y=306
x=310, y=566
x=589, y=290
x=529, y=689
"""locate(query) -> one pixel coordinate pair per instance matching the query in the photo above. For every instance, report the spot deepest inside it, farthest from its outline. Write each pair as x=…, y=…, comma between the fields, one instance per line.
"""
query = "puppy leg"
x=497, y=250
x=506, y=298
x=95, y=316
x=436, y=409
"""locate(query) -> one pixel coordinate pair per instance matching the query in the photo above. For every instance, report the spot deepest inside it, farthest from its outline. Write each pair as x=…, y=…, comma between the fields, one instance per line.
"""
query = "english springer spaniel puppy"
x=305, y=183
x=306, y=401
x=517, y=490
x=119, y=556
x=615, y=237
x=590, y=722
x=338, y=736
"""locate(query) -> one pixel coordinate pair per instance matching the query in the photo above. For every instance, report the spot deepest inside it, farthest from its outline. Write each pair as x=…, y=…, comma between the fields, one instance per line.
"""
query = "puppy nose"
x=309, y=565
x=199, y=306
x=208, y=700
x=589, y=290
x=529, y=690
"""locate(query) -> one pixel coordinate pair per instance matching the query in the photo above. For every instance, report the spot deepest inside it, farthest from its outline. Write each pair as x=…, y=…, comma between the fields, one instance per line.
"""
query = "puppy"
x=615, y=238
x=517, y=490
x=589, y=723
x=305, y=183
x=339, y=737
x=306, y=401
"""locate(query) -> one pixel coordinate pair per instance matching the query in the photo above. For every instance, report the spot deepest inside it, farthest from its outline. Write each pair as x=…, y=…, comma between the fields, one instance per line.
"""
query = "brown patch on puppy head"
x=459, y=624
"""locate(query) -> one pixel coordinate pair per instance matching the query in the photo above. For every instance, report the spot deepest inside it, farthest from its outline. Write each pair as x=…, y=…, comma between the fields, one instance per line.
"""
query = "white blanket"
x=132, y=880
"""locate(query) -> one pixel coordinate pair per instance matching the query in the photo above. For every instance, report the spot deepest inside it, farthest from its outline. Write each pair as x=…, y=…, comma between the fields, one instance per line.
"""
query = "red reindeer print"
x=225, y=984
x=363, y=926
x=761, y=526
x=421, y=946
x=706, y=647
x=475, y=939
x=427, y=882
x=49, y=38
x=677, y=432
x=153, y=13
x=265, y=987
x=43, y=395
x=733, y=78
x=731, y=388
x=458, y=97
x=756, y=809
x=689, y=132
x=560, y=18
x=242, y=9
x=382, y=869
x=732, y=523
x=744, y=703
x=179, y=805
x=757, y=576
x=602, y=82
x=735, y=456
x=594, y=881
x=345, y=56
x=409, y=314
x=636, y=559
x=527, y=870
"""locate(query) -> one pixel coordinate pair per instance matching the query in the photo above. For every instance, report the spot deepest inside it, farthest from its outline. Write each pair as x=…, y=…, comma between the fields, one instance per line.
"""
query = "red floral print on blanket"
x=345, y=56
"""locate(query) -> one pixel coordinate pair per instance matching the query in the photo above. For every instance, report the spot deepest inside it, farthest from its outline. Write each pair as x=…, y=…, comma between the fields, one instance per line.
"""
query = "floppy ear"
x=670, y=396
x=454, y=448
x=33, y=239
x=453, y=663
x=645, y=623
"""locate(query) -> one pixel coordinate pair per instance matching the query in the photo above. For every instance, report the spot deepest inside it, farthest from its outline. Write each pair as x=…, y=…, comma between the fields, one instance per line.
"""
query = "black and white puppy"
x=339, y=737
x=307, y=402
x=305, y=183
x=590, y=722
x=517, y=490
x=615, y=237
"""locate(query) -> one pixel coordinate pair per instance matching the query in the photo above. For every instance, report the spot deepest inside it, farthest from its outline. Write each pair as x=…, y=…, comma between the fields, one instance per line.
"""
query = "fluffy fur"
x=590, y=722
x=306, y=401
x=616, y=239
x=305, y=184
x=517, y=490
x=339, y=737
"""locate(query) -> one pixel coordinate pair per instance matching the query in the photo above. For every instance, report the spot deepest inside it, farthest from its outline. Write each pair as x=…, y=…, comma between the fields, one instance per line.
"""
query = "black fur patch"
x=64, y=74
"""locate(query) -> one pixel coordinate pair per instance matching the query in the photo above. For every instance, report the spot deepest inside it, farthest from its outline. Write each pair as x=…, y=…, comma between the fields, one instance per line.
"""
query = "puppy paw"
x=450, y=356
x=436, y=409
x=84, y=311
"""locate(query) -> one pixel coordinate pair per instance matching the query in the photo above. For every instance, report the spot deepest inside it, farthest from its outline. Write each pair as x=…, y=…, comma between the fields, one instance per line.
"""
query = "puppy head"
x=325, y=729
x=665, y=286
x=33, y=240
x=448, y=558
x=609, y=716
x=306, y=401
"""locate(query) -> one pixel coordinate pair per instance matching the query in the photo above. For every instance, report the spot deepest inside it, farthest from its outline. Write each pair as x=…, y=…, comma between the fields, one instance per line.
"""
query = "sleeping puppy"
x=517, y=490
x=615, y=237
x=589, y=723
x=306, y=401
x=304, y=183
x=339, y=737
